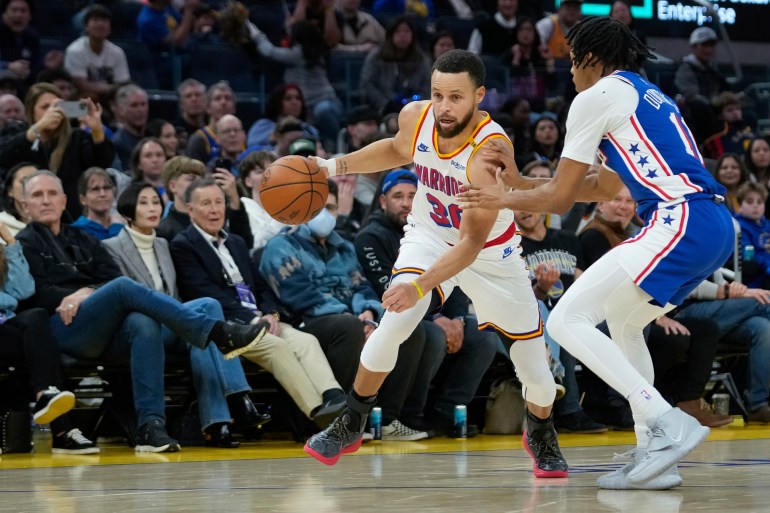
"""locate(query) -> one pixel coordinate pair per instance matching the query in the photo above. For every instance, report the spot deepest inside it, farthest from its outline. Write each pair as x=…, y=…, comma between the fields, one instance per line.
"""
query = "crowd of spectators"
x=175, y=202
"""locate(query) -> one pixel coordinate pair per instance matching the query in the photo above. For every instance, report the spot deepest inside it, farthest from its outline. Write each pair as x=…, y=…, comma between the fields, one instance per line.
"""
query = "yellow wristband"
x=419, y=290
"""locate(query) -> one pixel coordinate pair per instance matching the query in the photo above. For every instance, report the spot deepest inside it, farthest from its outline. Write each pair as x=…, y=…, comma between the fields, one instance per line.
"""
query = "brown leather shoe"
x=761, y=415
x=703, y=413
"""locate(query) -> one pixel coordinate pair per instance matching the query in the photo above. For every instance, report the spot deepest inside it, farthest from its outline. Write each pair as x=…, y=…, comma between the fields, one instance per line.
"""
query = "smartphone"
x=223, y=163
x=75, y=109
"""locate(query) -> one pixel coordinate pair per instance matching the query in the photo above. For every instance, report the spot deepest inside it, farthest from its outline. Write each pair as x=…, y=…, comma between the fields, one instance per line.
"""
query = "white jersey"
x=440, y=177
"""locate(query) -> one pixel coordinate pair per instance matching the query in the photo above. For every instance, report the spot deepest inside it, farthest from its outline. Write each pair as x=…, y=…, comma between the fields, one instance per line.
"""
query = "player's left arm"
x=475, y=226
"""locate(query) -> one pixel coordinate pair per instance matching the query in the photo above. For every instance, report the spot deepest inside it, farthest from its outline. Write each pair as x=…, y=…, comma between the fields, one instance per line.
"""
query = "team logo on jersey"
x=423, y=148
x=507, y=252
x=457, y=165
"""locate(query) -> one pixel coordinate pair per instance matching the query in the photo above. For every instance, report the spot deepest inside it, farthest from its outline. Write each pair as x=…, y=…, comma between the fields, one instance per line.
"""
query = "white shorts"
x=497, y=283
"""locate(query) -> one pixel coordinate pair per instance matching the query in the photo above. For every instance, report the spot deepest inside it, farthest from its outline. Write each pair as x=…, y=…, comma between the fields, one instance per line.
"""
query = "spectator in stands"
x=61, y=78
x=10, y=83
x=288, y=130
x=203, y=144
x=520, y=109
x=166, y=134
x=28, y=341
x=315, y=274
x=13, y=215
x=361, y=32
x=213, y=263
x=19, y=43
x=698, y=80
x=178, y=174
x=547, y=139
x=306, y=67
x=755, y=231
x=285, y=101
x=232, y=141
x=221, y=384
x=553, y=29
x=452, y=334
x=757, y=160
x=743, y=317
x=732, y=173
x=251, y=169
x=132, y=112
x=555, y=260
x=442, y=42
x=621, y=11
x=52, y=144
x=95, y=63
x=397, y=71
x=97, y=195
x=205, y=24
x=735, y=134
x=147, y=162
x=80, y=286
x=161, y=27
x=496, y=35
x=322, y=14
x=11, y=112
x=360, y=122
x=192, y=106
x=532, y=67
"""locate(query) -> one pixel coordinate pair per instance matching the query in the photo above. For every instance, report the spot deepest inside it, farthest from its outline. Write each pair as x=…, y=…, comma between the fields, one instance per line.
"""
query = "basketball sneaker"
x=540, y=441
x=673, y=435
x=344, y=434
x=618, y=479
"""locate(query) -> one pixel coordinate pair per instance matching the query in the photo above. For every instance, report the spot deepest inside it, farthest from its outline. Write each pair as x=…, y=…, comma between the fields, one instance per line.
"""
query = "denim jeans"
x=123, y=319
x=742, y=321
x=215, y=378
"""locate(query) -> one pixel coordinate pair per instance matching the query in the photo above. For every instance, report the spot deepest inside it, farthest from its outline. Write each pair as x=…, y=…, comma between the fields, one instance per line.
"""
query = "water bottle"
x=41, y=439
x=375, y=421
x=461, y=421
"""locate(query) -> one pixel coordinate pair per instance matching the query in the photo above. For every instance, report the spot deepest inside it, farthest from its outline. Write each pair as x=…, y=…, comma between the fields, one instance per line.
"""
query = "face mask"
x=322, y=224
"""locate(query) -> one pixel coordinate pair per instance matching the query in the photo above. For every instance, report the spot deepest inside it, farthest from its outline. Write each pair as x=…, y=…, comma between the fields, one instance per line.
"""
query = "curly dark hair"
x=609, y=42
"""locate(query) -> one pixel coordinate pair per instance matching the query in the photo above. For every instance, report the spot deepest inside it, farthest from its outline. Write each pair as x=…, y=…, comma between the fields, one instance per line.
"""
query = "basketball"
x=293, y=189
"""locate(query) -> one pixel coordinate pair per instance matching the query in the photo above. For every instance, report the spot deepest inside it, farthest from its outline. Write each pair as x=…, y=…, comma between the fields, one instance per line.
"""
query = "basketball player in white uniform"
x=643, y=143
x=438, y=253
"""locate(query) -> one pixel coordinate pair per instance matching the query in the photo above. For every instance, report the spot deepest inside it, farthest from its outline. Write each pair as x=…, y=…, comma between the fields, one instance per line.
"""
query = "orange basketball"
x=293, y=189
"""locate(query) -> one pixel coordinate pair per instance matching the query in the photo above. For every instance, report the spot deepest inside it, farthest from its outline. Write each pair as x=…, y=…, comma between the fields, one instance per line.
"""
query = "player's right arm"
x=384, y=154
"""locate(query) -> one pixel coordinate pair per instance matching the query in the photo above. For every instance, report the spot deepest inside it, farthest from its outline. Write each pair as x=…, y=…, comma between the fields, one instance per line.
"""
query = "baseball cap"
x=360, y=114
x=703, y=35
x=304, y=147
x=397, y=177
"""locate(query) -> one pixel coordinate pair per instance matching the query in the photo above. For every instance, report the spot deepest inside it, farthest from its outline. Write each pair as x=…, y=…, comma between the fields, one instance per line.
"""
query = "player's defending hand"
x=498, y=153
x=400, y=297
x=490, y=197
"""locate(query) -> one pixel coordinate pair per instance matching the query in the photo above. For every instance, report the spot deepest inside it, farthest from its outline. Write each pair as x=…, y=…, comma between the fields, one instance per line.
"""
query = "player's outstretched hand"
x=400, y=297
x=490, y=197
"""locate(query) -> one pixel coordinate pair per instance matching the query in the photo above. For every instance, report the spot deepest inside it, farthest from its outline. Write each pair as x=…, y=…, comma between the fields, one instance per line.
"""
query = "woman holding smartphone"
x=52, y=143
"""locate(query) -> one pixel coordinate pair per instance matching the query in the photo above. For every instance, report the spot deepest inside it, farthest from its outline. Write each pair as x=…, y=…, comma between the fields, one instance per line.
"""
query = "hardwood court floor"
x=728, y=473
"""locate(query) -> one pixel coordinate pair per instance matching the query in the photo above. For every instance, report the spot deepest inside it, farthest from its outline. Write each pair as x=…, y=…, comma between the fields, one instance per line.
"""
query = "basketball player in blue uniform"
x=643, y=143
x=438, y=252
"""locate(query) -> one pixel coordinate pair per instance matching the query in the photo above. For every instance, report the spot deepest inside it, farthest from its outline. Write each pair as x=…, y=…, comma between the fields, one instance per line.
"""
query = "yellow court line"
x=114, y=454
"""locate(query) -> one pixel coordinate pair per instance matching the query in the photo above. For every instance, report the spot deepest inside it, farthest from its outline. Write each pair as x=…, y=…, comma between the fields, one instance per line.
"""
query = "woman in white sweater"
x=221, y=384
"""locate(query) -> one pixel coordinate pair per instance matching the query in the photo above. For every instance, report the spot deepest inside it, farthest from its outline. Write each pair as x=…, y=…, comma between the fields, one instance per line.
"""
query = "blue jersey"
x=640, y=135
x=649, y=146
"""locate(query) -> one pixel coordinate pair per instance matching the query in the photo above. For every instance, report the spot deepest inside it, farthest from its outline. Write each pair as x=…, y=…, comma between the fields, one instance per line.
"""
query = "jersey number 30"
x=443, y=216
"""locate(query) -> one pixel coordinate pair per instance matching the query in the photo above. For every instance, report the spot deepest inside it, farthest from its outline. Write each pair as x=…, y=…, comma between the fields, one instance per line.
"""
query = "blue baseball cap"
x=396, y=177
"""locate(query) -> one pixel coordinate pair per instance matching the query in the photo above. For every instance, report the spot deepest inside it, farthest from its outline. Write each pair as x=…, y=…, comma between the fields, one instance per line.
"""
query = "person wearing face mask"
x=211, y=262
x=316, y=275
